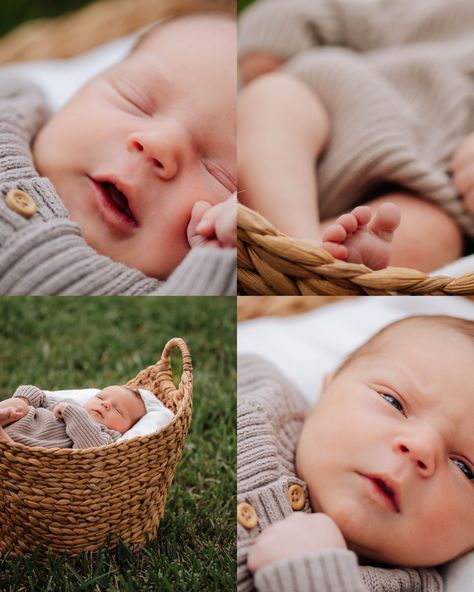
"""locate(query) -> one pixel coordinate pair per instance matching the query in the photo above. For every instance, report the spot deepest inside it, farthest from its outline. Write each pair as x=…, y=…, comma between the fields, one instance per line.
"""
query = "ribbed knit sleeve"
x=83, y=431
x=205, y=271
x=329, y=571
x=46, y=254
x=382, y=107
x=34, y=395
x=286, y=27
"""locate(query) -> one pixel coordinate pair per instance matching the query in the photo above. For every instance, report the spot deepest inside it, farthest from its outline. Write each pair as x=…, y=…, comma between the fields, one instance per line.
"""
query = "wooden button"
x=246, y=515
x=296, y=497
x=20, y=202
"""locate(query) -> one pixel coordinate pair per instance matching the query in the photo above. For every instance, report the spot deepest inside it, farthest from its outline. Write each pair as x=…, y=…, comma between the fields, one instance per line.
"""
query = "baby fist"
x=58, y=410
x=295, y=535
x=462, y=167
x=213, y=226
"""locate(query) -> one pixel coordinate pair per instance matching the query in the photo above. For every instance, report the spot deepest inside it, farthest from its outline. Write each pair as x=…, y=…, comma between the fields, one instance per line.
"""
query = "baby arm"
x=462, y=167
x=308, y=550
x=83, y=432
x=213, y=226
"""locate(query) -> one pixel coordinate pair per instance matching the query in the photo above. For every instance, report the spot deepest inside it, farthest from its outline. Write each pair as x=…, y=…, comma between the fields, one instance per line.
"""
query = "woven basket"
x=77, y=500
x=269, y=262
x=96, y=23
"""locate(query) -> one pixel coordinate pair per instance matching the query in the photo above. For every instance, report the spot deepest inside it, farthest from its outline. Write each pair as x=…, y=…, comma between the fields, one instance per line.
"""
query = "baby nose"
x=106, y=405
x=164, y=145
x=421, y=448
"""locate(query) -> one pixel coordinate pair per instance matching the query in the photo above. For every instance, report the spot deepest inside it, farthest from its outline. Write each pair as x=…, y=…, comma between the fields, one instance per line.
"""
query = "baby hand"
x=213, y=226
x=462, y=167
x=58, y=410
x=297, y=534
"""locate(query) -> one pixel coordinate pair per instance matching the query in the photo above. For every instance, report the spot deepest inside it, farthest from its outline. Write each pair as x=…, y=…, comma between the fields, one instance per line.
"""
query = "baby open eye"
x=464, y=467
x=394, y=402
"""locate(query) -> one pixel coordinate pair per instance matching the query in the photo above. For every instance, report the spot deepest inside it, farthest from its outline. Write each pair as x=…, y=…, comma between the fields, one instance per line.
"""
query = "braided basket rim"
x=314, y=271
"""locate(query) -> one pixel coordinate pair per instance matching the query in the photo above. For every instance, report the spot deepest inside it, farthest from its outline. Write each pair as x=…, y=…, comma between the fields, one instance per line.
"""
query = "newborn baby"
x=380, y=469
x=32, y=418
x=142, y=158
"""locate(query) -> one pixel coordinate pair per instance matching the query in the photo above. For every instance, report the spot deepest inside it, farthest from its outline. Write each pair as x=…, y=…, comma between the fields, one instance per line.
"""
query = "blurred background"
x=30, y=30
x=14, y=12
x=243, y=3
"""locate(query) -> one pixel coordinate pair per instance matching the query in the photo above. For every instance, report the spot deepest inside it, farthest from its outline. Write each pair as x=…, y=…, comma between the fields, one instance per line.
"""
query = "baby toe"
x=362, y=214
x=334, y=233
x=348, y=222
x=387, y=218
x=337, y=250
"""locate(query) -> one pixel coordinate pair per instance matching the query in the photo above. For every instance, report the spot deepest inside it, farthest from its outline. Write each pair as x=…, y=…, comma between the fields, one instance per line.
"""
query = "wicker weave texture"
x=271, y=263
x=97, y=23
x=77, y=500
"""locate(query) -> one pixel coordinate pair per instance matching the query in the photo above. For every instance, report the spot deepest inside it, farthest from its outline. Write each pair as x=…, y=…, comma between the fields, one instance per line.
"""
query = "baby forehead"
x=116, y=391
x=182, y=28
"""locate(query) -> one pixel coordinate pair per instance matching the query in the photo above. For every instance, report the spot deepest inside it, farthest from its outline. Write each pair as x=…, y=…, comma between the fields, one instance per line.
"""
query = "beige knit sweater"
x=397, y=77
x=40, y=427
x=269, y=420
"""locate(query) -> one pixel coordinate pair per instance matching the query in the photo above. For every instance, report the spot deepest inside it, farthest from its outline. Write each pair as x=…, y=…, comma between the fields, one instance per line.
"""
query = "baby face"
x=137, y=146
x=388, y=451
x=116, y=408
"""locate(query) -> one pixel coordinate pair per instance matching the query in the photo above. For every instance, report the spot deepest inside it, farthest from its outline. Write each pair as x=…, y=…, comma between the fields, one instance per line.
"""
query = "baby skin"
x=283, y=128
x=387, y=453
x=116, y=407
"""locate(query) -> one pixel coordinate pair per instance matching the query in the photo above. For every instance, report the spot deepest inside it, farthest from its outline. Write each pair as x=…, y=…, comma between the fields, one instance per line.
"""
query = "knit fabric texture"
x=270, y=416
x=397, y=79
x=46, y=254
x=40, y=427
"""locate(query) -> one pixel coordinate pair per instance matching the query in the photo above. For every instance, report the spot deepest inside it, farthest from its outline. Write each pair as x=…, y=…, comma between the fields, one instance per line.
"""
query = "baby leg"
x=282, y=129
x=405, y=231
x=12, y=410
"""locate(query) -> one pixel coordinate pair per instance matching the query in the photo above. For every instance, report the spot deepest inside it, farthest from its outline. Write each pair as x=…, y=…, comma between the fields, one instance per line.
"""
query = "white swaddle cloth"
x=157, y=415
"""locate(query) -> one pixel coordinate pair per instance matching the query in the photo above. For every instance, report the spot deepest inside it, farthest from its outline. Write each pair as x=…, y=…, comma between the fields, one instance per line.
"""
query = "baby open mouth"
x=119, y=200
x=388, y=491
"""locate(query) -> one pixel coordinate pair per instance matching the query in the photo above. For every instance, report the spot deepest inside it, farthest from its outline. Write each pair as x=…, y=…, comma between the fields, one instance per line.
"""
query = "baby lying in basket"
x=379, y=95
x=33, y=418
x=380, y=471
x=139, y=167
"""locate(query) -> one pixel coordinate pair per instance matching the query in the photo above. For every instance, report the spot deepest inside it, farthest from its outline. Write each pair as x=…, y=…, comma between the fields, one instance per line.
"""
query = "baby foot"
x=359, y=237
x=10, y=414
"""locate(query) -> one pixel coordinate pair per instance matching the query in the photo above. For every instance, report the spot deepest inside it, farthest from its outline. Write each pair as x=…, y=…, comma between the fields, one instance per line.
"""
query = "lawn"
x=241, y=4
x=14, y=12
x=78, y=342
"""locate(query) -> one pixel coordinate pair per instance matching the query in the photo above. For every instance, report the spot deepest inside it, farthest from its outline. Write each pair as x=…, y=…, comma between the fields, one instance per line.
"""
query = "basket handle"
x=186, y=356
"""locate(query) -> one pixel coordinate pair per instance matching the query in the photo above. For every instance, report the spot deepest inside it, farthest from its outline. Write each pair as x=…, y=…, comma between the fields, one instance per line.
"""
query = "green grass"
x=241, y=4
x=77, y=342
x=14, y=12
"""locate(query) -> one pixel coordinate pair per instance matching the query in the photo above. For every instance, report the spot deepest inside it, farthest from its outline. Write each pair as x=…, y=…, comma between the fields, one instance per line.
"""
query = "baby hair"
x=462, y=326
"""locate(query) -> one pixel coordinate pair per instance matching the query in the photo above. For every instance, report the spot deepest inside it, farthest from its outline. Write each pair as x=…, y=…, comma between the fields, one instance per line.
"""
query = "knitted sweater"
x=40, y=427
x=397, y=78
x=270, y=417
x=46, y=254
